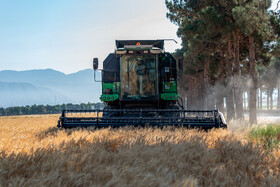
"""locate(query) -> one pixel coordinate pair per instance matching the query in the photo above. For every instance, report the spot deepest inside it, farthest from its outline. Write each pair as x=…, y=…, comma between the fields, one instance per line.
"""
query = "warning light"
x=138, y=43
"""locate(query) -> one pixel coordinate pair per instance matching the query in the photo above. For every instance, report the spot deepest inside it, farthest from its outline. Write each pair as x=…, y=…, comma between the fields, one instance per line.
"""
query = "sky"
x=66, y=35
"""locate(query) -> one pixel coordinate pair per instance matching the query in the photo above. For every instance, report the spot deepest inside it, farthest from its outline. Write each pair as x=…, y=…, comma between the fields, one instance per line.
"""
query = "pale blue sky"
x=66, y=34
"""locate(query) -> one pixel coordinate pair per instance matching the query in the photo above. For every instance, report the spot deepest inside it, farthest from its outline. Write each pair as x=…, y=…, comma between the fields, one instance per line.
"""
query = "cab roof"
x=154, y=43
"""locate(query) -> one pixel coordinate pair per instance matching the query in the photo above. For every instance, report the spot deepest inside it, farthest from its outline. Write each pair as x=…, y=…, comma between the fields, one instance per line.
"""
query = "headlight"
x=156, y=50
x=121, y=52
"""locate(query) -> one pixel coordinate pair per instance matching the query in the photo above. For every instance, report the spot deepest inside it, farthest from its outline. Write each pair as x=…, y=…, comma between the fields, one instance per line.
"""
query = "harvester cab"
x=139, y=88
x=139, y=75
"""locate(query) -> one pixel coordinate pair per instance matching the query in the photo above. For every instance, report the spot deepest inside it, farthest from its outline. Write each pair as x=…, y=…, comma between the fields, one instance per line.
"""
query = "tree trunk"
x=192, y=93
x=220, y=87
x=258, y=99
x=278, y=96
x=271, y=98
x=248, y=99
x=244, y=101
x=207, y=89
x=220, y=102
x=267, y=99
x=196, y=91
x=261, y=107
x=253, y=86
x=201, y=103
x=229, y=88
x=211, y=95
x=237, y=80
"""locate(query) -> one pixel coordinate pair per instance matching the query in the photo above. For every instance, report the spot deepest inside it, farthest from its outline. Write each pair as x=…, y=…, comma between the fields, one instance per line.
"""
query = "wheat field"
x=33, y=152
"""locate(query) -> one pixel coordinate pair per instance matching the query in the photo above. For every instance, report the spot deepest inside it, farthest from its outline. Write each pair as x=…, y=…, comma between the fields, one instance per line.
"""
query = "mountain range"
x=48, y=86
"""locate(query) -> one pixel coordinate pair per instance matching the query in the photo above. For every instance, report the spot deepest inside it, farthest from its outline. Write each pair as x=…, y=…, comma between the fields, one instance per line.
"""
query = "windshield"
x=138, y=75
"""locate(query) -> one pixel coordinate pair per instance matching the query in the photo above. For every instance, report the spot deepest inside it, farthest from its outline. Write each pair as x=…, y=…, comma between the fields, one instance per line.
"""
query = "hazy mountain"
x=21, y=94
x=30, y=75
x=47, y=87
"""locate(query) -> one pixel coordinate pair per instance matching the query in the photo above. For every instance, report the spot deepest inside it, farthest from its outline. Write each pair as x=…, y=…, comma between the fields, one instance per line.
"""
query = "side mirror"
x=95, y=63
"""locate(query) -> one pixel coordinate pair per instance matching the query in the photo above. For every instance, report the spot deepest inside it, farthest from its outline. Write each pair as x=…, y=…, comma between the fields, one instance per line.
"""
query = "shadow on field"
x=54, y=131
x=142, y=161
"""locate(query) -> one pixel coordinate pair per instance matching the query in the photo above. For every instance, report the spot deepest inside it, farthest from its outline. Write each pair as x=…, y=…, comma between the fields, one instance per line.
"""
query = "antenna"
x=170, y=39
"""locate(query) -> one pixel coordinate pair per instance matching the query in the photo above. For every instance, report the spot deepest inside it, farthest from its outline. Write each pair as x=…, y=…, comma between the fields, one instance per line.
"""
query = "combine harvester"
x=139, y=88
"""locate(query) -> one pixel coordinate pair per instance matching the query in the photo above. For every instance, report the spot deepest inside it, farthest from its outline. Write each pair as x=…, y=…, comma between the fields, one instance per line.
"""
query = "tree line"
x=47, y=109
x=229, y=48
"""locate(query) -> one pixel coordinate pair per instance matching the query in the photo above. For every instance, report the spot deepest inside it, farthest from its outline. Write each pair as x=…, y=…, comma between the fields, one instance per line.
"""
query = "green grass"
x=268, y=137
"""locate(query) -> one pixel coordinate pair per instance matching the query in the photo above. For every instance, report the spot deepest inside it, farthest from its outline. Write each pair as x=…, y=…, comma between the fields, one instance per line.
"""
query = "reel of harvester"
x=204, y=119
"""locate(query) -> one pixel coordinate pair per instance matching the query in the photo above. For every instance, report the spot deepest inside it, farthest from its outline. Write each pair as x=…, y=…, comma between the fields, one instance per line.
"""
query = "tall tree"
x=228, y=27
x=253, y=21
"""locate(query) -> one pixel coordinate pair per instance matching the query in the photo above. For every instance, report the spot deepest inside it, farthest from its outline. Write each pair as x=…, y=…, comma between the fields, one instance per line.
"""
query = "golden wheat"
x=36, y=153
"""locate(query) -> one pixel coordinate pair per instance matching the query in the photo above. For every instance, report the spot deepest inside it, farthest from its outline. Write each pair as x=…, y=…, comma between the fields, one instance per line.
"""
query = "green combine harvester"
x=139, y=88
